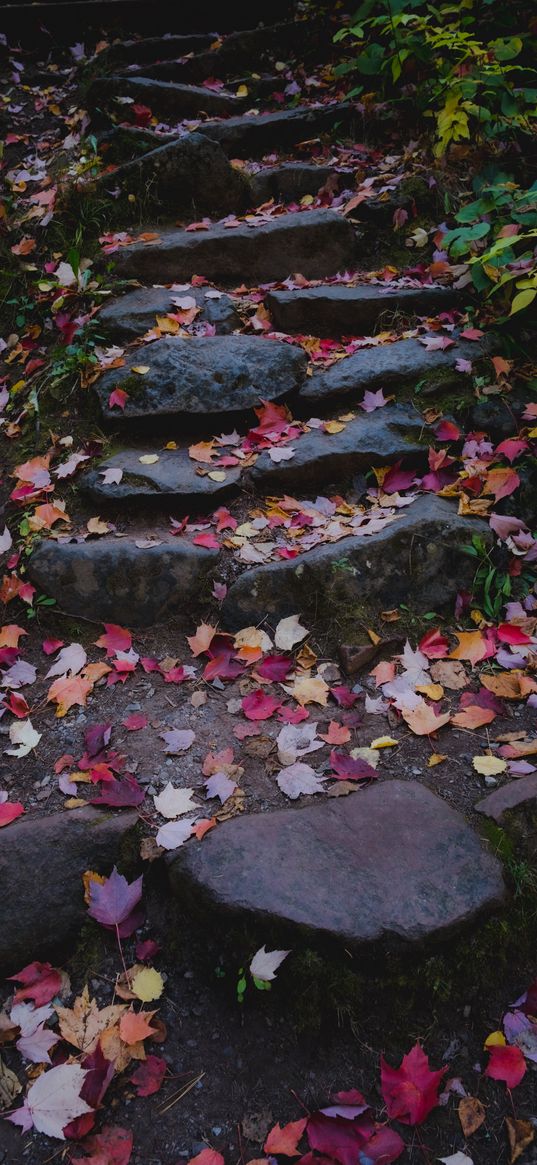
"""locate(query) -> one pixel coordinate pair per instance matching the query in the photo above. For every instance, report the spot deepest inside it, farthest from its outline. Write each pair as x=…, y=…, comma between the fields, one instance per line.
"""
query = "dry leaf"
x=471, y=1114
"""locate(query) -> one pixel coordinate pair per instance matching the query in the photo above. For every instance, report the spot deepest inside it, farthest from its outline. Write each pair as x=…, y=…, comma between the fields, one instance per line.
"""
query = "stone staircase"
x=185, y=388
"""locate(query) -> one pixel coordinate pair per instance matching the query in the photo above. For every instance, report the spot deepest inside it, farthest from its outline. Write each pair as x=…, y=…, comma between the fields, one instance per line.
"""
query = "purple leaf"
x=112, y=902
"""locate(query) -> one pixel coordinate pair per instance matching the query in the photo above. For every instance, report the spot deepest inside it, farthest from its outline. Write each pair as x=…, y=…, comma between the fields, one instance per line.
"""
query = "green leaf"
x=522, y=300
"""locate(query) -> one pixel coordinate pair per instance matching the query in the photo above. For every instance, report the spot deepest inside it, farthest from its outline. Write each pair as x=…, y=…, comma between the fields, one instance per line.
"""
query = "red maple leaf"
x=507, y=1064
x=411, y=1091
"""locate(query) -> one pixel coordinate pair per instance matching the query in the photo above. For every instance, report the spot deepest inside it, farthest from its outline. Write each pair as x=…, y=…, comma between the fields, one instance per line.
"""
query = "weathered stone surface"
x=517, y=794
x=390, y=365
x=134, y=313
x=172, y=476
x=416, y=559
x=316, y=243
x=114, y=580
x=41, y=865
x=155, y=48
x=164, y=98
x=292, y=180
x=391, y=866
x=204, y=375
x=186, y=172
x=250, y=136
x=377, y=438
x=334, y=310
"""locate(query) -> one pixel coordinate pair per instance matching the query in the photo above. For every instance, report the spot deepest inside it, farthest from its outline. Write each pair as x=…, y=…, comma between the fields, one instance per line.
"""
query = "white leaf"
x=178, y=740
x=6, y=541
x=265, y=963
x=289, y=632
x=296, y=740
x=54, y=1099
x=299, y=778
x=70, y=659
x=28, y=1017
x=24, y=736
x=281, y=453
x=175, y=833
x=66, y=278
x=111, y=476
x=174, y=802
x=220, y=785
x=457, y=1159
x=36, y=1047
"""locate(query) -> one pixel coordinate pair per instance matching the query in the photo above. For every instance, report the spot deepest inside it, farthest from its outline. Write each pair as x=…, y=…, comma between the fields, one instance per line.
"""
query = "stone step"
x=335, y=310
x=63, y=846
x=392, y=867
x=315, y=243
x=172, y=477
x=292, y=180
x=252, y=136
x=402, y=363
x=252, y=49
x=186, y=174
x=156, y=48
x=114, y=580
x=203, y=375
x=379, y=438
x=417, y=559
x=165, y=99
x=134, y=313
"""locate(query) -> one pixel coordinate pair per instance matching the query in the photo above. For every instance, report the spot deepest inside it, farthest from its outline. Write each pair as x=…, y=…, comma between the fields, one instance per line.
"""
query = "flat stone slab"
x=186, y=172
x=172, y=476
x=39, y=859
x=251, y=136
x=353, y=311
x=164, y=98
x=156, y=48
x=416, y=559
x=379, y=438
x=392, y=865
x=520, y=792
x=203, y=375
x=315, y=243
x=115, y=580
x=390, y=365
x=253, y=47
x=292, y=180
x=133, y=314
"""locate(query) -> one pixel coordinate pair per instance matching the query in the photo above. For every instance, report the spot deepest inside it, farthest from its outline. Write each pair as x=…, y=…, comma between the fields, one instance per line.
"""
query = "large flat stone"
x=249, y=136
x=405, y=362
x=134, y=313
x=391, y=866
x=334, y=310
x=519, y=794
x=165, y=99
x=315, y=243
x=114, y=580
x=292, y=180
x=377, y=438
x=184, y=174
x=204, y=375
x=155, y=48
x=41, y=866
x=416, y=559
x=172, y=476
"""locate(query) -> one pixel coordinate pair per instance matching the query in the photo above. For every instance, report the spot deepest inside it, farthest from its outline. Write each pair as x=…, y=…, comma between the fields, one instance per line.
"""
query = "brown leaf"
x=83, y=1024
x=520, y=1134
x=471, y=1114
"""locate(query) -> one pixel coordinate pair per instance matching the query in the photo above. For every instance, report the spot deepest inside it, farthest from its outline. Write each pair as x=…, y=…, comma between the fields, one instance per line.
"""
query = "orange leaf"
x=423, y=719
x=471, y=1115
x=202, y=827
x=135, y=1026
x=69, y=690
x=473, y=717
x=337, y=733
x=285, y=1140
x=203, y=451
x=472, y=646
x=202, y=640
x=10, y=634
x=501, y=482
x=514, y=685
x=46, y=515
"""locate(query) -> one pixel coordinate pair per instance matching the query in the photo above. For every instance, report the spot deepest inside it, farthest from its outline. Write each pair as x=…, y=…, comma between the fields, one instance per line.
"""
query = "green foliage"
x=464, y=68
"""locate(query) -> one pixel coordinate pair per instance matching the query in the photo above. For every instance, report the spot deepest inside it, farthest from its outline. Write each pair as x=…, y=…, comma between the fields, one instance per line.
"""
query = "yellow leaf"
x=495, y=1040
x=242, y=91
x=140, y=369
x=74, y=803
x=217, y=475
x=433, y=691
x=488, y=766
x=383, y=742
x=436, y=758
x=333, y=427
x=97, y=526
x=149, y=459
x=148, y=985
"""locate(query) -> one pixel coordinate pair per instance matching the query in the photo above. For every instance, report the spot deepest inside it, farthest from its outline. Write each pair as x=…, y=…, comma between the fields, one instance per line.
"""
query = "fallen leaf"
x=173, y=802
x=422, y=719
x=53, y=1100
x=284, y=1140
x=299, y=779
x=410, y=1092
x=147, y=985
x=506, y=1064
x=289, y=632
x=489, y=766
x=471, y=1114
x=265, y=963
x=135, y=1026
x=520, y=1134
x=82, y=1024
